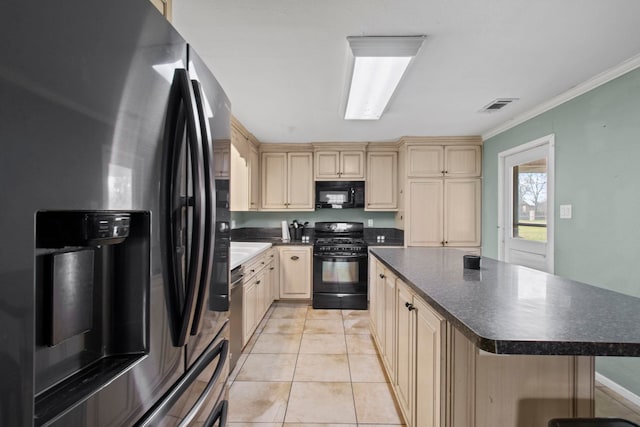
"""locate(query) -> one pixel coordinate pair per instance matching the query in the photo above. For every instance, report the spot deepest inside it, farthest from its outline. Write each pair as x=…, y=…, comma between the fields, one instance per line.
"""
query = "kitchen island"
x=501, y=346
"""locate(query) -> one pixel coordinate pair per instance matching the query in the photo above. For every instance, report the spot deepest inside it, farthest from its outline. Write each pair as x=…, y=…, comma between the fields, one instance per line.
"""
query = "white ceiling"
x=284, y=63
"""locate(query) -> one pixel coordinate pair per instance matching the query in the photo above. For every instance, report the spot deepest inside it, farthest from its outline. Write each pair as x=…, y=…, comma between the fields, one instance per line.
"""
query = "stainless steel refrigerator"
x=114, y=282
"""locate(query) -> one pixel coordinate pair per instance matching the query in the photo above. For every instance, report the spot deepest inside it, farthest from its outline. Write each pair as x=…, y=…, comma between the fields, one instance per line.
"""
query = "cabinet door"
x=379, y=305
x=373, y=294
x=221, y=162
x=295, y=272
x=429, y=333
x=239, y=182
x=382, y=181
x=351, y=165
x=404, y=349
x=300, y=181
x=425, y=161
x=327, y=164
x=462, y=212
x=254, y=179
x=250, y=299
x=461, y=161
x=262, y=295
x=390, y=320
x=274, y=181
x=425, y=212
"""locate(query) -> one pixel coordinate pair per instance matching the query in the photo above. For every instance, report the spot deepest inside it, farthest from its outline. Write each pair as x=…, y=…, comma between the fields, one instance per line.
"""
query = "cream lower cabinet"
x=419, y=383
x=295, y=272
x=441, y=379
x=287, y=181
x=443, y=212
x=383, y=311
x=257, y=290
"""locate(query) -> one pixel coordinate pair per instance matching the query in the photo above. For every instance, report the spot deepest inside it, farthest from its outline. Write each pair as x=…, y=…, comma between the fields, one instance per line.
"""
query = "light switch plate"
x=565, y=212
x=369, y=223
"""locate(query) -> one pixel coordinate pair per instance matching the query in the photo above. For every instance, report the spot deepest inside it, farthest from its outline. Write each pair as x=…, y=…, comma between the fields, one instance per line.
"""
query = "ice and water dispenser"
x=92, y=302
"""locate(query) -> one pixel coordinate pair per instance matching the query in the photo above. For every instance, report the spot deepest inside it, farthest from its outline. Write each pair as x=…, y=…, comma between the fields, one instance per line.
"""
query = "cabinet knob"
x=253, y=270
x=409, y=306
x=271, y=268
x=262, y=263
x=381, y=275
x=295, y=257
x=442, y=172
x=258, y=282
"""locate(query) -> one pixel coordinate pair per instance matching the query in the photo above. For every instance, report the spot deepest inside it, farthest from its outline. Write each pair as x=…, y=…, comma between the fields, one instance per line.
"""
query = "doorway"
x=526, y=212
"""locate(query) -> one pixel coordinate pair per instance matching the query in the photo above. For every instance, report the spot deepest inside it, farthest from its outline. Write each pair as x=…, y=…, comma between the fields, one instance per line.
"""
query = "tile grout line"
x=353, y=393
x=286, y=409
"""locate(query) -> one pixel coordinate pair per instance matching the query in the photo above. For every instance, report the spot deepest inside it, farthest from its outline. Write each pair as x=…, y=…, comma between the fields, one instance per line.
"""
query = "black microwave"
x=339, y=194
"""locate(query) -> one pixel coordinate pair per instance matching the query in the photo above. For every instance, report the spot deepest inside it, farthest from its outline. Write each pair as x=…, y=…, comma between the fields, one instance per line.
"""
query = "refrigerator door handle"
x=163, y=406
x=210, y=203
x=218, y=413
x=182, y=291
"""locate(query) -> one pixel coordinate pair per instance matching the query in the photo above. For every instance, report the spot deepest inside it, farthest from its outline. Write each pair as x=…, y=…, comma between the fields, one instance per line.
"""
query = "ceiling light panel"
x=379, y=64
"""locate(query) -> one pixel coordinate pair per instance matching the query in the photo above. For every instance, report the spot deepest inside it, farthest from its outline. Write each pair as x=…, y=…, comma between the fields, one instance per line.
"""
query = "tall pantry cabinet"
x=440, y=191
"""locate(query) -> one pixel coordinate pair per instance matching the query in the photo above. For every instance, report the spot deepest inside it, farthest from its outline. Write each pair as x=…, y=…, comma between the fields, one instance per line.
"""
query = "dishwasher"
x=235, y=315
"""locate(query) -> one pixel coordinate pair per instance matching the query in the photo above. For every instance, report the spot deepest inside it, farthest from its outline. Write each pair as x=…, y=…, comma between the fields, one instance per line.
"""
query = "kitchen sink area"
x=241, y=252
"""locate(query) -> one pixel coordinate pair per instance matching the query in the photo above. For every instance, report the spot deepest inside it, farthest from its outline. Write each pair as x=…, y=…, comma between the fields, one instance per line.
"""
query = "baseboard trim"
x=627, y=394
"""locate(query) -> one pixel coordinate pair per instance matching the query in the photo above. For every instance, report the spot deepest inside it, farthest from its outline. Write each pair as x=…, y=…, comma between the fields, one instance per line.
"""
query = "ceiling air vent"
x=497, y=104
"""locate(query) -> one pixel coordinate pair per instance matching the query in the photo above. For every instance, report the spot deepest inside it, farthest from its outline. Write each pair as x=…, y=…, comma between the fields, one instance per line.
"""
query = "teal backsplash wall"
x=274, y=219
x=597, y=154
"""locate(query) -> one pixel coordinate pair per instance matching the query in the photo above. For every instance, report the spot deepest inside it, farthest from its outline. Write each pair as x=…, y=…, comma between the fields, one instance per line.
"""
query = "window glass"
x=530, y=201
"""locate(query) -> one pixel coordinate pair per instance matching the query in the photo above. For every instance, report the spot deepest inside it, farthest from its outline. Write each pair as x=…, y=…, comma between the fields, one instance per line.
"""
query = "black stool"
x=591, y=422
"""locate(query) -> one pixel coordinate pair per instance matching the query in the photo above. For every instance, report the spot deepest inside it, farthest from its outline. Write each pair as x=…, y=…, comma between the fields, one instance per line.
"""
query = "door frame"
x=549, y=141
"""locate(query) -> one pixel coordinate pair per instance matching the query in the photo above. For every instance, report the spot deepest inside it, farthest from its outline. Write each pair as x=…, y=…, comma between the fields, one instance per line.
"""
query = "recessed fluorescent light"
x=379, y=64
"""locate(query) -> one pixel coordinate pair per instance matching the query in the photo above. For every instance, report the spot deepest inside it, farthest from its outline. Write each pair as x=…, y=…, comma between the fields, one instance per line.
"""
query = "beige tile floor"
x=306, y=367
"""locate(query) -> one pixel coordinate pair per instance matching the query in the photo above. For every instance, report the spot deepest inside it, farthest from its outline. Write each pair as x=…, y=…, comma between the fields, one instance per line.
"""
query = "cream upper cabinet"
x=382, y=181
x=443, y=212
x=333, y=162
x=164, y=6
x=425, y=161
x=287, y=181
x=295, y=272
x=244, y=171
x=454, y=161
x=221, y=160
x=462, y=161
x=254, y=179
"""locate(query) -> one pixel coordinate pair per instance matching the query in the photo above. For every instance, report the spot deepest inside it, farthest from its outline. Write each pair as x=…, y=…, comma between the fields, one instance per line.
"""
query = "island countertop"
x=509, y=309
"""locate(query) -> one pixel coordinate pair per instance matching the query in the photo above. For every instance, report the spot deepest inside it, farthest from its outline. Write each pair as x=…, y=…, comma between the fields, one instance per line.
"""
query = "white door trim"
x=549, y=141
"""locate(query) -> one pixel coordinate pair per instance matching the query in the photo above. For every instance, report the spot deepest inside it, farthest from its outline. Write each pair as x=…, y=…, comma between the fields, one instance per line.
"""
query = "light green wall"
x=274, y=219
x=597, y=153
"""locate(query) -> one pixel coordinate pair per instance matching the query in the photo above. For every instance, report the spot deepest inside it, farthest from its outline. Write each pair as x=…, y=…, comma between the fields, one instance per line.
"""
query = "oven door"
x=343, y=274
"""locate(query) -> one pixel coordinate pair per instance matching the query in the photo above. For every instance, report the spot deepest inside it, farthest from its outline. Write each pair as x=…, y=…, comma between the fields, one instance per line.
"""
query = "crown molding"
x=580, y=89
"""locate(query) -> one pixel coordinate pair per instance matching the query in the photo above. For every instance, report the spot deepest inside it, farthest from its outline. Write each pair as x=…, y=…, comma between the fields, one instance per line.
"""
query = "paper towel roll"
x=285, y=231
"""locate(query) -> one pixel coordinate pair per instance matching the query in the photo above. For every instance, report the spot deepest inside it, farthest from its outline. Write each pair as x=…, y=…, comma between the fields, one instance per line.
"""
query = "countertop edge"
x=519, y=347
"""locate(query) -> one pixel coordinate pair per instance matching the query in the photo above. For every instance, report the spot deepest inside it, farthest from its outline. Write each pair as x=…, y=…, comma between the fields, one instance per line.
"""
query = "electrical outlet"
x=565, y=212
x=233, y=223
x=369, y=223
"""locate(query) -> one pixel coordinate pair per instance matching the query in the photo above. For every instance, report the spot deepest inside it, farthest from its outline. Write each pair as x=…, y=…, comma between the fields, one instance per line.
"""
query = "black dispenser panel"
x=93, y=271
x=71, y=294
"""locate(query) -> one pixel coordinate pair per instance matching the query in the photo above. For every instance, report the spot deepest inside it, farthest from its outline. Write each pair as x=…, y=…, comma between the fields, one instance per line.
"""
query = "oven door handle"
x=328, y=256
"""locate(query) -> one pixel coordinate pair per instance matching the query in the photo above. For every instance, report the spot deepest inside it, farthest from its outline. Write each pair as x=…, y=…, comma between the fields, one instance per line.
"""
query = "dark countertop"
x=508, y=309
x=275, y=241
